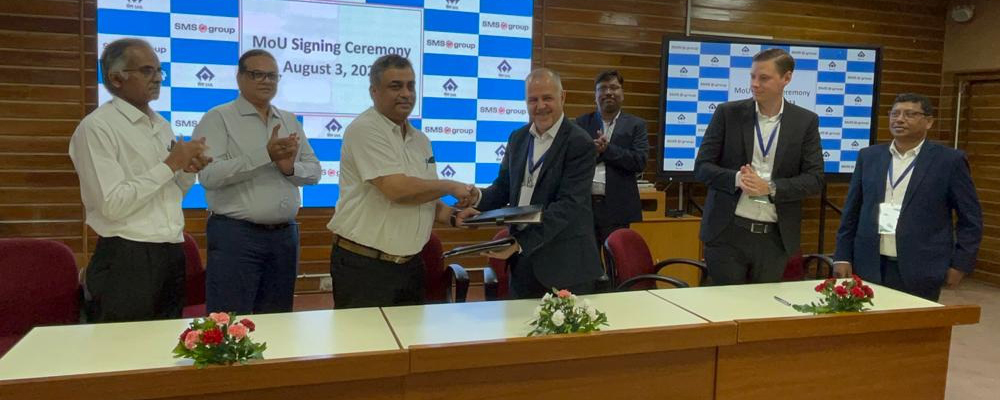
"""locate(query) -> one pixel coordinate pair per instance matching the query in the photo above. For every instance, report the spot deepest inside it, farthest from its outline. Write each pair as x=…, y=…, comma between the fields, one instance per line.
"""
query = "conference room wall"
x=970, y=56
x=48, y=82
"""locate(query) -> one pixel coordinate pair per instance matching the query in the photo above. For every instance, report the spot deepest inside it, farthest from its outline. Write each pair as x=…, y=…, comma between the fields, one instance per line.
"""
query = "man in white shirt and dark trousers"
x=390, y=196
x=622, y=148
x=133, y=175
x=912, y=219
x=760, y=158
x=252, y=190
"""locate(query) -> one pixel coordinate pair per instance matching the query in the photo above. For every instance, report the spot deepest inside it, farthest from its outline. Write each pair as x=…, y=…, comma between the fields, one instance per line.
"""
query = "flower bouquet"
x=561, y=314
x=850, y=295
x=219, y=339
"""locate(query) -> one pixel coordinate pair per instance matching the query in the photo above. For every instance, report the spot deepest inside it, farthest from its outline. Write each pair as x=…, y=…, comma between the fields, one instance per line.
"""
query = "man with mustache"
x=390, y=196
x=760, y=158
x=133, y=175
x=549, y=162
x=253, y=194
x=622, y=147
x=897, y=228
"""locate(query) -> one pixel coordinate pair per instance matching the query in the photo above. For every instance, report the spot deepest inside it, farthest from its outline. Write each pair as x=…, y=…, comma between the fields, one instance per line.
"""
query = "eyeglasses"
x=148, y=71
x=608, y=88
x=908, y=114
x=260, y=76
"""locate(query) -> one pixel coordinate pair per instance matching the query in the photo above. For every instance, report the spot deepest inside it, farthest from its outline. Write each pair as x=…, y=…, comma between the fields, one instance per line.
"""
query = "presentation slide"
x=470, y=58
x=839, y=83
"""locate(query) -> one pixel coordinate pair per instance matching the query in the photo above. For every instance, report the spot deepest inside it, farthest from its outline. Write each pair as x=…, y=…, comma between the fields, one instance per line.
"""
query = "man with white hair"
x=549, y=162
x=133, y=175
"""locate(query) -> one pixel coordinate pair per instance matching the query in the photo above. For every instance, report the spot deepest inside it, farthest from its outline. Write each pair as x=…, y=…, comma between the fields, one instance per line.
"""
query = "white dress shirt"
x=747, y=207
x=900, y=161
x=127, y=189
x=543, y=141
x=242, y=182
x=600, y=173
x=374, y=146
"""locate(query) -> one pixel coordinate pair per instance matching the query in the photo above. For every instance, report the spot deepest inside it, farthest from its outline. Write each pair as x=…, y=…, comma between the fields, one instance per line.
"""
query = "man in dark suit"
x=622, y=148
x=760, y=158
x=897, y=229
x=549, y=162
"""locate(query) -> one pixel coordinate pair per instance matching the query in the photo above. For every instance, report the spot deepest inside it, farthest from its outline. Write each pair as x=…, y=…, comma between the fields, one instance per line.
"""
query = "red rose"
x=840, y=290
x=857, y=292
x=184, y=335
x=212, y=336
x=830, y=281
x=820, y=287
x=248, y=323
x=857, y=279
x=868, y=290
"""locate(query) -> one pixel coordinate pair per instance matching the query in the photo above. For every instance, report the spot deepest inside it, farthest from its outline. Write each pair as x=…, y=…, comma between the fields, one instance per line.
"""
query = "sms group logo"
x=501, y=110
x=203, y=28
x=450, y=44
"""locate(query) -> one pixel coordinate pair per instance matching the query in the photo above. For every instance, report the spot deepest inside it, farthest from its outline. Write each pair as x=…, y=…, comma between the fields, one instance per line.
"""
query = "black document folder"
x=479, y=247
x=531, y=214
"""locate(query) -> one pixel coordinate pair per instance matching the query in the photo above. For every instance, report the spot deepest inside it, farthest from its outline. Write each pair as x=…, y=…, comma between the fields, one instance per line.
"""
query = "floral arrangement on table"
x=562, y=312
x=850, y=295
x=219, y=339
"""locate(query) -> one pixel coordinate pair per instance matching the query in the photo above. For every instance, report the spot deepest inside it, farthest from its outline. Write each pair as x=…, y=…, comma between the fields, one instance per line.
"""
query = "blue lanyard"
x=532, y=164
x=760, y=136
x=906, y=171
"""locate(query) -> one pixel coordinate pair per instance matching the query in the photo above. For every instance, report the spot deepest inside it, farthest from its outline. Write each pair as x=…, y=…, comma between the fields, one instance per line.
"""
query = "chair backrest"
x=434, y=282
x=194, y=273
x=499, y=267
x=799, y=267
x=39, y=285
x=628, y=256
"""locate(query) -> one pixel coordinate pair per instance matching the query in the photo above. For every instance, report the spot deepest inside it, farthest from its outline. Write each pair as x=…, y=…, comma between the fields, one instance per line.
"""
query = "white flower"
x=547, y=297
x=592, y=314
x=586, y=304
x=558, y=318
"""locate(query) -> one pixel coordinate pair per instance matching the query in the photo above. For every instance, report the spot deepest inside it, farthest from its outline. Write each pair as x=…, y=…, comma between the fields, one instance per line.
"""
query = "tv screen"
x=470, y=58
x=838, y=82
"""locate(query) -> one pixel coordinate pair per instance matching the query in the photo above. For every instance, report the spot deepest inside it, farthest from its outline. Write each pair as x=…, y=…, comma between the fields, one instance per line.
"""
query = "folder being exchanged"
x=531, y=214
x=479, y=247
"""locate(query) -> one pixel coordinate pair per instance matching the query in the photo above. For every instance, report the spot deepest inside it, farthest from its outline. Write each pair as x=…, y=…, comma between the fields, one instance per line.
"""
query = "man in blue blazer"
x=549, y=162
x=622, y=147
x=897, y=228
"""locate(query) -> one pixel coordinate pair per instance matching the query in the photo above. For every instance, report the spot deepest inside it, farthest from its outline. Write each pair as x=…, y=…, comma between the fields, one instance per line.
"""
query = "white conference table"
x=651, y=349
x=897, y=350
x=109, y=353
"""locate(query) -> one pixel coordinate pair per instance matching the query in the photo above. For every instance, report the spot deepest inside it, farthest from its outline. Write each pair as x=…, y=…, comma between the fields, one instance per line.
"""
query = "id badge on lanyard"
x=888, y=212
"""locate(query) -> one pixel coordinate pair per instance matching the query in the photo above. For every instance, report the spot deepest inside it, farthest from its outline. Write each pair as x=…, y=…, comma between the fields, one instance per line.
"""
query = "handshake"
x=466, y=194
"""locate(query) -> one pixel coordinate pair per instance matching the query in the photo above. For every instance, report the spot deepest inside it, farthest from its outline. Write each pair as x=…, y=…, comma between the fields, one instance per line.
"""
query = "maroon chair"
x=798, y=267
x=38, y=286
x=496, y=276
x=630, y=264
x=194, y=280
x=440, y=280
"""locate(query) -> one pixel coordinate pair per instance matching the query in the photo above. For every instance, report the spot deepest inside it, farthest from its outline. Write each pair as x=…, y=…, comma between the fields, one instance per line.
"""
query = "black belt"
x=888, y=258
x=754, y=226
x=596, y=197
x=266, y=227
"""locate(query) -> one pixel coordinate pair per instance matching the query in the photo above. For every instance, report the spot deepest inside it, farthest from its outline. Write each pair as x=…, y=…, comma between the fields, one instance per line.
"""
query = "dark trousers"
x=738, y=256
x=360, y=281
x=604, y=224
x=892, y=278
x=135, y=281
x=251, y=269
x=524, y=285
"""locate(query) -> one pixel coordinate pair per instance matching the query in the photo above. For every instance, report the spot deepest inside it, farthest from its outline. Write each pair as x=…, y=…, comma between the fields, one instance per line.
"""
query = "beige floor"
x=974, y=366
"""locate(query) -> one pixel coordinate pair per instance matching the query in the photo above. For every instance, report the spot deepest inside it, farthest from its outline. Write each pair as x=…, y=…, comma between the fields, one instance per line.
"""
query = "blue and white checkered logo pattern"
x=837, y=83
x=470, y=57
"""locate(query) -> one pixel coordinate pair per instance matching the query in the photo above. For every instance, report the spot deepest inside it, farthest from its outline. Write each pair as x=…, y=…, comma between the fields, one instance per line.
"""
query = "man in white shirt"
x=252, y=190
x=390, y=196
x=133, y=175
x=897, y=227
x=760, y=158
